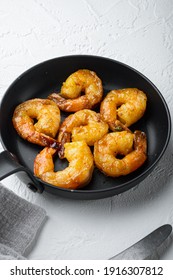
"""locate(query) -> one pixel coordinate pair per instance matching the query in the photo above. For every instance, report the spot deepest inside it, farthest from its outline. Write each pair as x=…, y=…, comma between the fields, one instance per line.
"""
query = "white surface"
x=139, y=33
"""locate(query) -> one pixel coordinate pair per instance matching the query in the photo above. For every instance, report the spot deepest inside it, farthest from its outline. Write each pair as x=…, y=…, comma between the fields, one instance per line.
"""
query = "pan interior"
x=47, y=77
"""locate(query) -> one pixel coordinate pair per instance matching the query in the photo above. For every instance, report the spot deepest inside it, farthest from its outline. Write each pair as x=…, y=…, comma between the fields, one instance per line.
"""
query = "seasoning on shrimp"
x=81, y=81
x=125, y=105
x=76, y=175
x=120, y=153
x=42, y=132
x=85, y=125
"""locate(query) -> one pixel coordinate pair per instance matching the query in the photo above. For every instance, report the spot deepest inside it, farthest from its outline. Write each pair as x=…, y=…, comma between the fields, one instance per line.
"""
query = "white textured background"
x=136, y=32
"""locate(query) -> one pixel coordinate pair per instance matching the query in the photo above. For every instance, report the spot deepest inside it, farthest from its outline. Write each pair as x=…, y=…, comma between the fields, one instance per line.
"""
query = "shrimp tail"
x=65, y=138
x=140, y=141
x=59, y=100
x=50, y=142
x=61, y=151
x=119, y=126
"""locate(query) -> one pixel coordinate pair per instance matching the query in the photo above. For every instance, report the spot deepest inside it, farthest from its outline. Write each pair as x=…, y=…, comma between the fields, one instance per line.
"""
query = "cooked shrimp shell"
x=85, y=125
x=125, y=105
x=42, y=132
x=131, y=146
x=76, y=175
x=81, y=81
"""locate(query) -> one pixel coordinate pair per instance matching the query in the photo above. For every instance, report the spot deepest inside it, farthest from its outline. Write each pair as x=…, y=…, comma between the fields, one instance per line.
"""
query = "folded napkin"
x=20, y=222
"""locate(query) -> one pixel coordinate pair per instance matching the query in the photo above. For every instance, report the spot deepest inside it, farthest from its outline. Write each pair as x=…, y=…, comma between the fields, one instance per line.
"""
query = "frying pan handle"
x=9, y=165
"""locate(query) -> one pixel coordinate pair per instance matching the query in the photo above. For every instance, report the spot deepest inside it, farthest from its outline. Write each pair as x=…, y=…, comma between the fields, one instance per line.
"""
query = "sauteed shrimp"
x=126, y=105
x=83, y=125
x=47, y=114
x=83, y=80
x=115, y=144
x=77, y=174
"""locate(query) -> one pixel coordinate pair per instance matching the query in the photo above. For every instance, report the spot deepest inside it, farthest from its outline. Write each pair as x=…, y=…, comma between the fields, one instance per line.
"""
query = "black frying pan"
x=47, y=77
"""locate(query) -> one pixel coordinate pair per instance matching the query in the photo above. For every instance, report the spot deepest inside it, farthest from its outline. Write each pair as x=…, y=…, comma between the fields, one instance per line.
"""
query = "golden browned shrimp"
x=77, y=174
x=109, y=149
x=125, y=105
x=47, y=114
x=83, y=125
x=81, y=81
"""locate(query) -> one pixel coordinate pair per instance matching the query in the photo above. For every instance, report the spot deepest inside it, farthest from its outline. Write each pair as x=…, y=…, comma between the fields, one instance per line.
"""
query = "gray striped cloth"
x=20, y=222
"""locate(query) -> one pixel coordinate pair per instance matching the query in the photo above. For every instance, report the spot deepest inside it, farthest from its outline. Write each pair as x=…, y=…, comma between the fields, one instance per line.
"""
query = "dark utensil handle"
x=9, y=165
